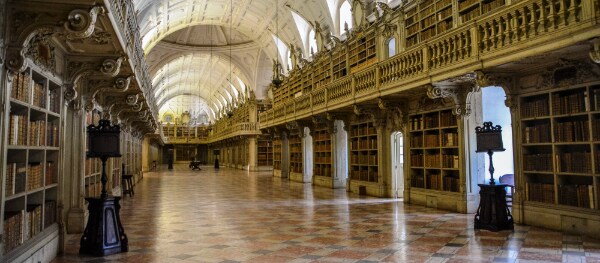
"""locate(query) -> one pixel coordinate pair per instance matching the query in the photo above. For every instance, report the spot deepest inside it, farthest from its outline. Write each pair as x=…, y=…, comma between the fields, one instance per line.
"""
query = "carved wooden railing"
x=228, y=131
x=124, y=15
x=494, y=36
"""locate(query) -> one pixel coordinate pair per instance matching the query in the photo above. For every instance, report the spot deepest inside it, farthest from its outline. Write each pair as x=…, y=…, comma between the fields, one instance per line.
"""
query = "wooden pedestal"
x=104, y=234
x=493, y=213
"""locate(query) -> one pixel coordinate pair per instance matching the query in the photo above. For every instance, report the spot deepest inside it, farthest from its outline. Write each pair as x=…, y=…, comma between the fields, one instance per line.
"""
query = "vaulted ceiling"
x=212, y=52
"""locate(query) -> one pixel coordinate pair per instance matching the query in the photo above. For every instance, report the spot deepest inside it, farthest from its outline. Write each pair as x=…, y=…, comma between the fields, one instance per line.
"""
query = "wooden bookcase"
x=265, y=151
x=296, y=158
x=362, y=52
x=338, y=62
x=92, y=166
x=428, y=19
x=322, y=153
x=434, y=151
x=33, y=157
x=322, y=73
x=169, y=130
x=470, y=9
x=560, y=146
x=364, y=152
x=277, y=154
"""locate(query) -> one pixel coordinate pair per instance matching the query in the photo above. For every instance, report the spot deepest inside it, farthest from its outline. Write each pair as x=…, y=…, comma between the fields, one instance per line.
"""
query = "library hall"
x=299, y=131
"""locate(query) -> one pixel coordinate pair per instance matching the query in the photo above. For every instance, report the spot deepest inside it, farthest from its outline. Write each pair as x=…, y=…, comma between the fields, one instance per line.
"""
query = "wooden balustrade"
x=515, y=26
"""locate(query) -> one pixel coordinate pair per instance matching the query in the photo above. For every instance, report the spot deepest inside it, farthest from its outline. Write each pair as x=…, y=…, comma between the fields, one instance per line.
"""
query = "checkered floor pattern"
x=231, y=216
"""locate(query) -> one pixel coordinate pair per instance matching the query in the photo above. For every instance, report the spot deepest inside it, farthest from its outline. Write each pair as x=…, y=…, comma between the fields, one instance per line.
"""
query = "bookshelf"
x=560, y=146
x=362, y=52
x=338, y=63
x=265, y=151
x=322, y=73
x=296, y=161
x=32, y=159
x=277, y=154
x=471, y=9
x=364, y=152
x=322, y=153
x=428, y=19
x=434, y=151
x=92, y=166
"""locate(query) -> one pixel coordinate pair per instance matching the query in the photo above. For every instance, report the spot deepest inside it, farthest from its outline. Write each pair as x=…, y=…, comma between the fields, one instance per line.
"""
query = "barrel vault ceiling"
x=205, y=55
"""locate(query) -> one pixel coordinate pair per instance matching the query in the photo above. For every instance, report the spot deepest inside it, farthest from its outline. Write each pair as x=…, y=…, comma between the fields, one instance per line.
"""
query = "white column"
x=339, y=141
x=252, y=154
x=307, y=156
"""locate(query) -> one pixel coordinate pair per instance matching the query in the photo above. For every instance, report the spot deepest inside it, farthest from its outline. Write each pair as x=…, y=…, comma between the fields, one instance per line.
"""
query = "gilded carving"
x=568, y=72
x=459, y=93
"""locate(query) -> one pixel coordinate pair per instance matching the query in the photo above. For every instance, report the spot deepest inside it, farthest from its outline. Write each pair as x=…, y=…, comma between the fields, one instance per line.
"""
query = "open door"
x=397, y=165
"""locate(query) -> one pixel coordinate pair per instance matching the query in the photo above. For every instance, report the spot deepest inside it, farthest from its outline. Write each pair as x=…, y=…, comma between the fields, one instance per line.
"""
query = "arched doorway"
x=397, y=164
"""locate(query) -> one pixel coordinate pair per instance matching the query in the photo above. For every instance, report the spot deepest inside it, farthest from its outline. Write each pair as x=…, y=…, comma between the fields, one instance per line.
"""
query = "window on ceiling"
x=312, y=42
x=345, y=16
x=304, y=29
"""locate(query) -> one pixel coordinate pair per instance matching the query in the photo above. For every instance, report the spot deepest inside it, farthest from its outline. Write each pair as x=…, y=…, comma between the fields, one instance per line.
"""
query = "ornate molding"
x=568, y=72
x=494, y=79
x=80, y=23
x=112, y=67
x=459, y=93
x=595, y=50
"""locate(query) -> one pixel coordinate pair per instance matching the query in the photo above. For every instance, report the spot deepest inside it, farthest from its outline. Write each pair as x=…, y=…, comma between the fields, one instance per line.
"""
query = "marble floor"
x=237, y=216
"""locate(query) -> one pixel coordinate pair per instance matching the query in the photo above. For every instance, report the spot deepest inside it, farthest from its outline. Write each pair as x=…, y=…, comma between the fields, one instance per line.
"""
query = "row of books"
x=323, y=147
x=20, y=226
x=540, y=192
x=576, y=195
x=431, y=140
x=466, y=3
x=489, y=6
x=537, y=162
x=362, y=130
x=364, y=175
x=34, y=176
x=16, y=174
x=92, y=166
x=470, y=15
x=596, y=129
x=595, y=90
x=572, y=131
x=538, y=133
x=323, y=159
x=450, y=139
x=39, y=95
x=535, y=107
x=364, y=159
x=443, y=3
x=93, y=189
x=432, y=161
x=321, y=136
x=569, y=103
x=21, y=83
x=416, y=160
x=41, y=133
x=322, y=170
x=450, y=161
x=54, y=104
x=17, y=131
x=295, y=168
x=364, y=144
x=574, y=162
x=451, y=184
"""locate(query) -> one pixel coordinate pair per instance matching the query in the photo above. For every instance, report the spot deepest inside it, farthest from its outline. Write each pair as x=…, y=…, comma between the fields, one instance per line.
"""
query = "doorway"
x=397, y=165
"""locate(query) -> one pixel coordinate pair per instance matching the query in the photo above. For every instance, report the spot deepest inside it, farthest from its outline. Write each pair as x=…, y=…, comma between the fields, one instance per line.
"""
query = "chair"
x=509, y=180
x=126, y=182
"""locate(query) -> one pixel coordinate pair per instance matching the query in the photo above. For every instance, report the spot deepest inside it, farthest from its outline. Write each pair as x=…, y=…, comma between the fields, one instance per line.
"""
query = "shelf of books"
x=364, y=157
x=31, y=172
x=338, y=62
x=265, y=151
x=434, y=151
x=362, y=52
x=428, y=19
x=322, y=157
x=560, y=147
x=92, y=166
x=471, y=9
x=322, y=73
x=296, y=158
x=277, y=157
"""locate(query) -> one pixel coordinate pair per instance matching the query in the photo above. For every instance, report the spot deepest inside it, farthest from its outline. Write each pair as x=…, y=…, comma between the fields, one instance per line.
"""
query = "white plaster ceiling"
x=178, y=37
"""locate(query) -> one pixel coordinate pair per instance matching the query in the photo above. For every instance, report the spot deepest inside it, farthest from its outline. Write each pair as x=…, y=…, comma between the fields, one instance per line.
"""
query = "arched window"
x=391, y=47
x=312, y=42
x=345, y=16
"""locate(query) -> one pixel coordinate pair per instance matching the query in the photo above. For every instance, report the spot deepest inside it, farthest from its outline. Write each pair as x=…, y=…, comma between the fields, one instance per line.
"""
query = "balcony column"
x=73, y=168
x=252, y=154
